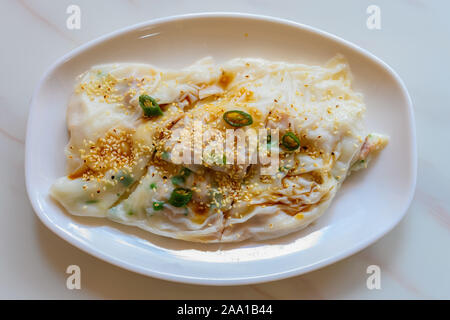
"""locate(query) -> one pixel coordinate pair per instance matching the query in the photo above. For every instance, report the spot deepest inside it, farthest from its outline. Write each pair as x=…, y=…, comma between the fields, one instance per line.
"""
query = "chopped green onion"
x=290, y=141
x=125, y=179
x=153, y=186
x=180, y=197
x=216, y=199
x=185, y=172
x=149, y=106
x=165, y=155
x=158, y=205
x=283, y=168
x=130, y=213
x=237, y=118
x=178, y=180
x=181, y=177
x=91, y=201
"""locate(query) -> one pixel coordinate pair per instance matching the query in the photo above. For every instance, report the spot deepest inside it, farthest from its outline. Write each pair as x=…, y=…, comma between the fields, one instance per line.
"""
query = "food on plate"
x=248, y=148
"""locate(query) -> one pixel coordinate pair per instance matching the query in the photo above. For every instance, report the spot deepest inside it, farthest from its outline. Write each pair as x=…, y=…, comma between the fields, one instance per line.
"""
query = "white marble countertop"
x=414, y=257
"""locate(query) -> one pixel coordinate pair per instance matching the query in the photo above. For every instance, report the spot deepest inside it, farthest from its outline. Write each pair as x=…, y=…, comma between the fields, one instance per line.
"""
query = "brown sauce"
x=226, y=79
x=78, y=173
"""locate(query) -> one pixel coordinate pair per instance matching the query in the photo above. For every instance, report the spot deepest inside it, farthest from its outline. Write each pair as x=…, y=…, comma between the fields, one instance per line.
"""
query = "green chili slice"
x=290, y=141
x=158, y=205
x=237, y=118
x=149, y=106
x=180, y=197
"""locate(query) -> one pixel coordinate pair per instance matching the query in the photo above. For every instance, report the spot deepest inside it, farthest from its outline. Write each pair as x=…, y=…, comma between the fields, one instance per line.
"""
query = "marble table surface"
x=414, y=258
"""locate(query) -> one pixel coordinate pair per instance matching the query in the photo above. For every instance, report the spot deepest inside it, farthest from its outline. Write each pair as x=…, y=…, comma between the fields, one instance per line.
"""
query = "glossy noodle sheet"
x=150, y=147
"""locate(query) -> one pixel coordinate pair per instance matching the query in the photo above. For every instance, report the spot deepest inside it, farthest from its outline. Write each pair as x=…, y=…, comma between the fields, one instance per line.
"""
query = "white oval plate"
x=370, y=203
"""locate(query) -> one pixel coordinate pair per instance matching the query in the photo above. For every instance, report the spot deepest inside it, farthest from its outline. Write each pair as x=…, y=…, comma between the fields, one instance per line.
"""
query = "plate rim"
x=62, y=233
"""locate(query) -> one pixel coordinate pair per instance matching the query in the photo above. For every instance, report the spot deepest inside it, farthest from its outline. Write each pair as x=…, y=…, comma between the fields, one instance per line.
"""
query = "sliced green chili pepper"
x=158, y=205
x=149, y=106
x=237, y=118
x=290, y=141
x=180, y=197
